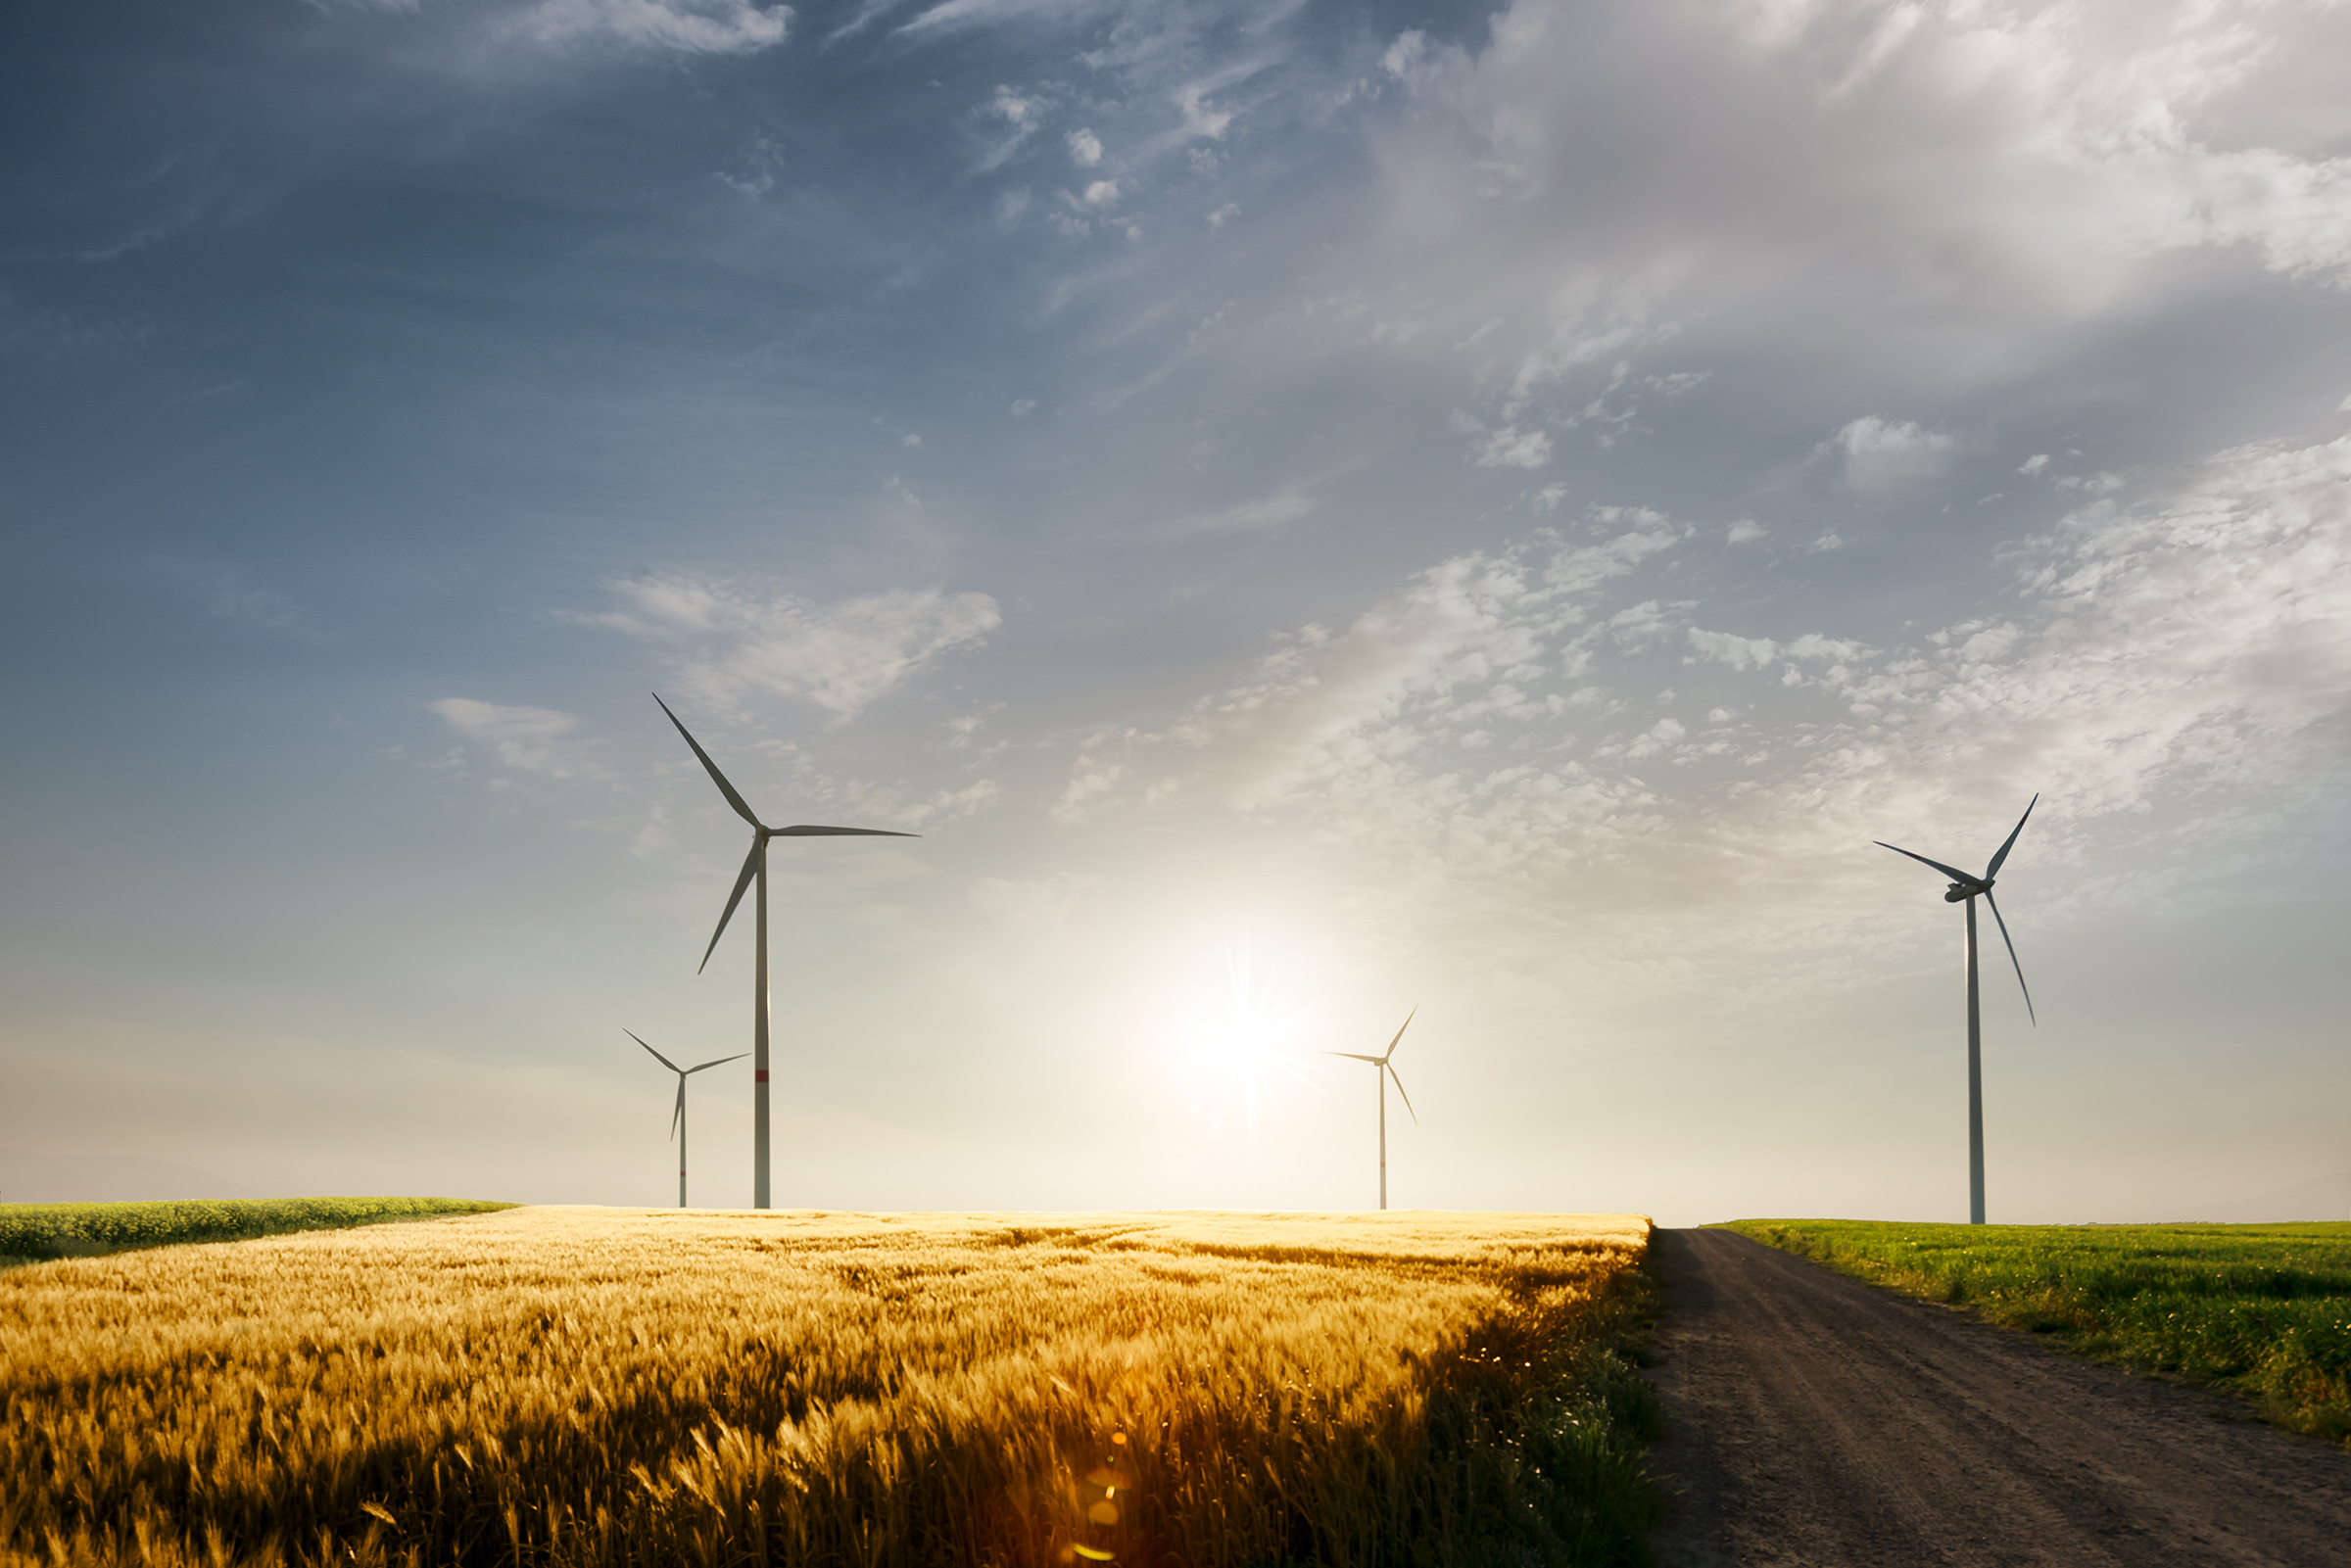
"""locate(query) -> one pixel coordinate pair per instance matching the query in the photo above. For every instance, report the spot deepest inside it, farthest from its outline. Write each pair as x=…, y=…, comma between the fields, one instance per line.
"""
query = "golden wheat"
x=595, y=1386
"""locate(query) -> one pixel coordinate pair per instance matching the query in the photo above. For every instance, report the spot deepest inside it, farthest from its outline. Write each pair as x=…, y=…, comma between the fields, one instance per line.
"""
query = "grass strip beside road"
x=2262, y=1311
x=39, y=1232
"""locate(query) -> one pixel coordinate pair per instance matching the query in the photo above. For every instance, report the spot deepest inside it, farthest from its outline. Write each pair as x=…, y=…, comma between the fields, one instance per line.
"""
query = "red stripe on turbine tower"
x=759, y=1076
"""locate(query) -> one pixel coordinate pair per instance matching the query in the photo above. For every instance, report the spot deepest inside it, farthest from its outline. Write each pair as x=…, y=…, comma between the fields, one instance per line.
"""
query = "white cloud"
x=1102, y=193
x=1658, y=740
x=1512, y=448
x=1745, y=531
x=1765, y=185
x=1648, y=621
x=1404, y=54
x=1265, y=511
x=691, y=27
x=1089, y=780
x=526, y=739
x=2035, y=463
x=1086, y=149
x=2191, y=640
x=1022, y=114
x=1883, y=455
x=1347, y=714
x=1200, y=119
x=1739, y=652
x=731, y=637
x=950, y=15
x=867, y=13
x=2180, y=657
x=909, y=809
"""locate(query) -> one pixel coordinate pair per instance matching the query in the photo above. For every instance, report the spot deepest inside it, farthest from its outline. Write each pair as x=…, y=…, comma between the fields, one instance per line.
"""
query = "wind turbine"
x=677, y=1123
x=1966, y=889
x=1386, y=1070
x=754, y=865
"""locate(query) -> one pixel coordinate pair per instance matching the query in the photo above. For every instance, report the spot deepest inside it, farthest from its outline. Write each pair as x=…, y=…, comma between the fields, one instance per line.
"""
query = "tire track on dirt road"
x=1819, y=1421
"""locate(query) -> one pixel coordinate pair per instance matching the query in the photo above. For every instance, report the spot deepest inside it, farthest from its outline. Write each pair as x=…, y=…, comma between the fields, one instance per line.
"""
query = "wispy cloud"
x=955, y=13
x=2070, y=146
x=1883, y=455
x=731, y=636
x=867, y=13
x=1285, y=505
x=687, y=27
x=1480, y=729
x=526, y=739
x=1346, y=714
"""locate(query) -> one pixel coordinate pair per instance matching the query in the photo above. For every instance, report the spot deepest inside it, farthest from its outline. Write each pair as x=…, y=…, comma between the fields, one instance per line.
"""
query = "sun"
x=1244, y=1026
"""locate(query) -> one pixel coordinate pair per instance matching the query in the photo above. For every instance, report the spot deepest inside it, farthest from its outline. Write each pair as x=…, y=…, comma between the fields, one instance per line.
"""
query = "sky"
x=1311, y=510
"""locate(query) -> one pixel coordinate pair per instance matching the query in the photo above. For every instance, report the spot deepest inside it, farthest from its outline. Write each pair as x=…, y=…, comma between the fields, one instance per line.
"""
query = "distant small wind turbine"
x=677, y=1123
x=1386, y=1072
x=755, y=866
x=1965, y=889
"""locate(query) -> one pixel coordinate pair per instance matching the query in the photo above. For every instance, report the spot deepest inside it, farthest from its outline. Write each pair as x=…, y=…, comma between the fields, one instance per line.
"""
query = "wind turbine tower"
x=754, y=868
x=677, y=1123
x=1967, y=890
x=1384, y=1069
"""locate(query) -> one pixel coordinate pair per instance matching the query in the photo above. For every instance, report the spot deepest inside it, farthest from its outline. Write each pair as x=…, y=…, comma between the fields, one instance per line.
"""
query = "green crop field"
x=39, y=1231
x=2260, y=1310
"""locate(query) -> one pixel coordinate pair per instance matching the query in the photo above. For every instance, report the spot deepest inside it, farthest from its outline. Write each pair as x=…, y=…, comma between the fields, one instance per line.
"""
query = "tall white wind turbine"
x=677, y=1123
x=1967, y=890
x=754, y=867
x=1383, y=1072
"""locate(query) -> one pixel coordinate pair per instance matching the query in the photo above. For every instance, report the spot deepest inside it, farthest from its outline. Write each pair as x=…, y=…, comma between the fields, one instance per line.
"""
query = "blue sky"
x=1311, y=511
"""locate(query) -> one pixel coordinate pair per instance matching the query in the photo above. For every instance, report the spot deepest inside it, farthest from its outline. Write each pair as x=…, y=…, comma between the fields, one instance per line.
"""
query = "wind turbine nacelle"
x=1959, y=894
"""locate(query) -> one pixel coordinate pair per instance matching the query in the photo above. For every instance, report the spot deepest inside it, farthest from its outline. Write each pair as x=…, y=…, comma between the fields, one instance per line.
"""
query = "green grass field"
x=35, y=1232
x=2260, y=1310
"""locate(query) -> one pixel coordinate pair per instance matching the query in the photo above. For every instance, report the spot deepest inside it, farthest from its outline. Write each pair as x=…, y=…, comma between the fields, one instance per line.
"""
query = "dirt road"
x=1816, y=1420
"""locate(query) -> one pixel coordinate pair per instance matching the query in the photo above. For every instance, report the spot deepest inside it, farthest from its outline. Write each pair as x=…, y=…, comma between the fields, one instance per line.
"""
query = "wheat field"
x=597, y=1385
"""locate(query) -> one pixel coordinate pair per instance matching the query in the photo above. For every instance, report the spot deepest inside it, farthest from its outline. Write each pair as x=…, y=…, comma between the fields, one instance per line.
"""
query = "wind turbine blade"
x=1407, y=1099
x=1358, y=1055
x=720, y=1062
x=2020, y=969
x=806, y=832
x=750, y=869
x=658, y=1055
x=1391, y=1050
x=1993, y=870
x=681, y=1115
x=1952, y=872
x=717, y=777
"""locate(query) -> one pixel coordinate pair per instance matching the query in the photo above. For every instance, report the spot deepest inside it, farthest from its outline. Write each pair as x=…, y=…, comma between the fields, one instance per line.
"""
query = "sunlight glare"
x=1240, y=1033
